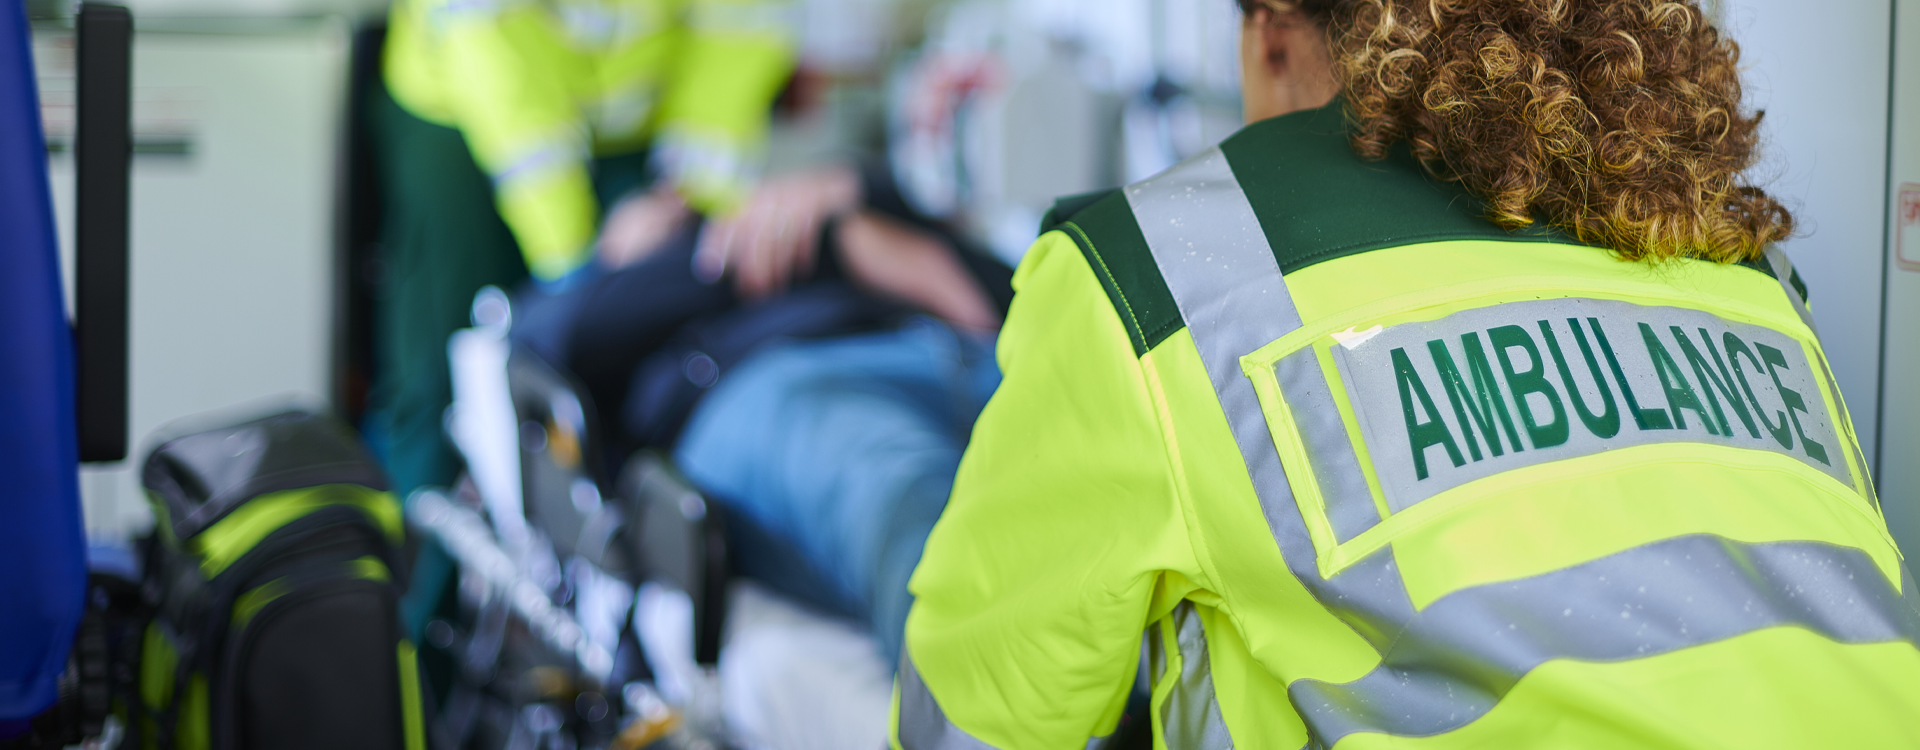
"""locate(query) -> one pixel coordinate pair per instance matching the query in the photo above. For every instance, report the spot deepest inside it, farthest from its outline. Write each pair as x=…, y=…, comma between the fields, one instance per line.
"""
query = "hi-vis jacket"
x=1372, y=473
x=539, y=86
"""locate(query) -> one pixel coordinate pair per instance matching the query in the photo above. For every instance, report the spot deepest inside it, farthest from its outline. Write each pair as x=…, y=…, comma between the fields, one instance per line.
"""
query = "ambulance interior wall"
x=1822, y=75
x=235, y=129
x=1900, y=387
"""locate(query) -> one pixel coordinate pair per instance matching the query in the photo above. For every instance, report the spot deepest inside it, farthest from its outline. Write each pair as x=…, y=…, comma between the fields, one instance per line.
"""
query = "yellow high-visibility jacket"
x=538, y=87
x=1371, y=472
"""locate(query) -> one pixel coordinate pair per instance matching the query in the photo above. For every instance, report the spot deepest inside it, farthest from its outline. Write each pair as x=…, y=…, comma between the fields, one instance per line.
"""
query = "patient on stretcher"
x=814, y=361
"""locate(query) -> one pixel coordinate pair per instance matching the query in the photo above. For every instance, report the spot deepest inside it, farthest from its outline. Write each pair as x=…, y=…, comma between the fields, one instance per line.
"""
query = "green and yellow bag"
x=274, y=574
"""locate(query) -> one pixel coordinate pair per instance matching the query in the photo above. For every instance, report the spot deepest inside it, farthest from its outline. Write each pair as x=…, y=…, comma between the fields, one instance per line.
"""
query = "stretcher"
x=599, y=609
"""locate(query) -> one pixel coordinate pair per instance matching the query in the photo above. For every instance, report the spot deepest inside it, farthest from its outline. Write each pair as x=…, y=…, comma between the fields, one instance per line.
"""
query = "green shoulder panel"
x=1316, y=200
x=1103, y=227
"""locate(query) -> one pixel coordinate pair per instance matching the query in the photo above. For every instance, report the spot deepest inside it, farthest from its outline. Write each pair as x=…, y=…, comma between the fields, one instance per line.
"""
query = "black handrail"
x=103, y=153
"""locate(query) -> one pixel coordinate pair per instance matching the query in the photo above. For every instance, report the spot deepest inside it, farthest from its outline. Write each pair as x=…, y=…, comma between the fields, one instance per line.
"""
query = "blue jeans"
x=844, y=450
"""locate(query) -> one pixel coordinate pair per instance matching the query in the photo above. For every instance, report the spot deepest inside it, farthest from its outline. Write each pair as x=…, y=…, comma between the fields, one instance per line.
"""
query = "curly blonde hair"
x=1618, y=121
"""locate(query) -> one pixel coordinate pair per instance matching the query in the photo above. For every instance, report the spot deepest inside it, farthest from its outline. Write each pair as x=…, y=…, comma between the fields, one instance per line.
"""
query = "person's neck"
x=1292, y=97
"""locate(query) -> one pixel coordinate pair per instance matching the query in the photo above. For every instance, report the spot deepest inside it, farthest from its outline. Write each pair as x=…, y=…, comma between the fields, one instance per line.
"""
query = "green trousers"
x=441, y=241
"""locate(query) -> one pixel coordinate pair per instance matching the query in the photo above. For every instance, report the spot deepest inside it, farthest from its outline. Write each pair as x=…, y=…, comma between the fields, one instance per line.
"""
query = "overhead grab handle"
x=103, y=151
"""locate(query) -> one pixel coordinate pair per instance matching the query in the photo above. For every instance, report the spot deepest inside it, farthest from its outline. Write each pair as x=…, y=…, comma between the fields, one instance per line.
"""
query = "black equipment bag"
x=274, y=577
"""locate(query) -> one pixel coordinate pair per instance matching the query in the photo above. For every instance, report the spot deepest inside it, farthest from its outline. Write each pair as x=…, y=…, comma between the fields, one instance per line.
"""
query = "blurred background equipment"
x=41, y=546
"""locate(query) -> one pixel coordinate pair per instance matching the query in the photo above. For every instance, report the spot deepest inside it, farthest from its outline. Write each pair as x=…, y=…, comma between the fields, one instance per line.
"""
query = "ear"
x=1285, y=64
x=1274, y=36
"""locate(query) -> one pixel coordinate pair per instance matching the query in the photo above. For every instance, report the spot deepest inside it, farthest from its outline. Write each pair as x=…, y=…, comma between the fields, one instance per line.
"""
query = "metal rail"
x=471, y=542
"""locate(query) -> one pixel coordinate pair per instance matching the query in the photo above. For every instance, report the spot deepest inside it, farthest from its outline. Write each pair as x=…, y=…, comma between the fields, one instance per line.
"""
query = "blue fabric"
x=844, y=449
x=574, y=279
x=42, y=544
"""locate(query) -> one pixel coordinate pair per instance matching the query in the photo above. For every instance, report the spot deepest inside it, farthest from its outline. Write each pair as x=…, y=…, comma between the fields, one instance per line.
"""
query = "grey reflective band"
x=621, y=111
x=921, y=724
x=1783, y=272
x=1449, y=664
x=1210, y=249
x=1859, y=461
x=1651, y=600
x=453, y=10
x=1203, y=231
x=1336, y=468
x=761, y=17
x=538, y=160
x=1190, y=719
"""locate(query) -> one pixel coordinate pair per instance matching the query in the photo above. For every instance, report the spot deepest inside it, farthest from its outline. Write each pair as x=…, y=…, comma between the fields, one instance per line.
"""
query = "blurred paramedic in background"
x=504, y=129
x=1339, y=523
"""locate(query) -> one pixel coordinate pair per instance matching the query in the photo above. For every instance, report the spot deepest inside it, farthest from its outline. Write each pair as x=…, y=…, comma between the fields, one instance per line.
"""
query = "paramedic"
x=504, y=128
x=1459, y=400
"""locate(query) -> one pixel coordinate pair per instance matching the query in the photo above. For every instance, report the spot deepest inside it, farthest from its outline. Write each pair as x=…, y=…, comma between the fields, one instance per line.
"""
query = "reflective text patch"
x=1445, y=402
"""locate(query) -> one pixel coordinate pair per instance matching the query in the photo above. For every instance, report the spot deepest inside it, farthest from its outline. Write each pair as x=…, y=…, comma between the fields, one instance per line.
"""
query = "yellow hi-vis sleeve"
x=713, y=122
x=1065, y=536
x=508, y=82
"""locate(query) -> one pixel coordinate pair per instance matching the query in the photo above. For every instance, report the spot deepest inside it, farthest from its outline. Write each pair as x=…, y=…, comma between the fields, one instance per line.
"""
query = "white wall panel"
x=1900, y=408
x=231, y=226
x=1820, y=72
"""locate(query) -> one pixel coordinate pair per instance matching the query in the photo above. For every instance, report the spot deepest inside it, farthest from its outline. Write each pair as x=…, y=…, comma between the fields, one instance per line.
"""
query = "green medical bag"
x=274, y=574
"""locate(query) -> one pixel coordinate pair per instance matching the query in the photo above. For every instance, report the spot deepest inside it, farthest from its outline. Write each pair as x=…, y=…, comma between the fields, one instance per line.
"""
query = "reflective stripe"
x=621, y=112
x=1457, y=658
x=452, y=11
x=1190, y=718
x=1216, y=262
x=541, y=158
x=1451, y=663
x=1783, y=272
x=921, y=723
x=703, y=161
x=760, y=17
x=1849, y=446
x=1336, y=469
x=601, y=26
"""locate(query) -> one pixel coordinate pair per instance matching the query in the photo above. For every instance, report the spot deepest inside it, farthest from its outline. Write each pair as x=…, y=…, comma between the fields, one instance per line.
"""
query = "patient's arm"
x=898, y=260
x=640, y=225
x=770, y=241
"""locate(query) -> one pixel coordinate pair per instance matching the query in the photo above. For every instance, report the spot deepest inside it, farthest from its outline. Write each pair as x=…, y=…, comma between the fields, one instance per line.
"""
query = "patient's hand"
x=772, y=239
x=639, y=225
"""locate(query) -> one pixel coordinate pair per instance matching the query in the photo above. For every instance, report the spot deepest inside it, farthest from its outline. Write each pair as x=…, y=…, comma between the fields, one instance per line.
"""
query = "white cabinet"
x=1821, y=75
x=237, y=130
x=1900, y=401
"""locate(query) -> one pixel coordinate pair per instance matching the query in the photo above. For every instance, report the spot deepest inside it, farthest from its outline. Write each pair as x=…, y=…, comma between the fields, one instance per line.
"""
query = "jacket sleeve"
x=507, y=86
x=713, y=117
x=1064, y=536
